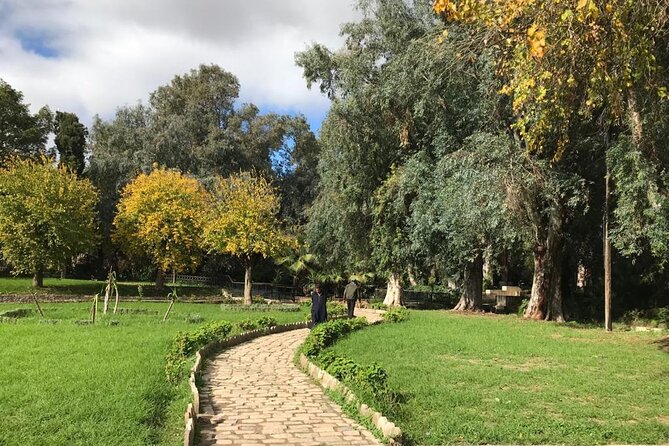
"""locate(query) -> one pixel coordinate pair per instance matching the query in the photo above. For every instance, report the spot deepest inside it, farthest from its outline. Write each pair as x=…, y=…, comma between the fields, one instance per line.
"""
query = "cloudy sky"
x=91, y=56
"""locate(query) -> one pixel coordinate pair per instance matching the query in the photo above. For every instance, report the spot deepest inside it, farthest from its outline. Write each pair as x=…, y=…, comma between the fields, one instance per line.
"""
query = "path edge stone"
x=391, y=432
x=193, y=409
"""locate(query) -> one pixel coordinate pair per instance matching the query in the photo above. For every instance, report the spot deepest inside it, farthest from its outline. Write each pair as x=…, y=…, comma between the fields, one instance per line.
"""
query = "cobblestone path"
x=254, y=395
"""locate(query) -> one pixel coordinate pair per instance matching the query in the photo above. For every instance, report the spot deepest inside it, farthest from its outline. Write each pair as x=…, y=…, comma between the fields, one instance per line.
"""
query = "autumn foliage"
x=561, y=61
x=161, y=217
x=245, y=222
x=47, y=216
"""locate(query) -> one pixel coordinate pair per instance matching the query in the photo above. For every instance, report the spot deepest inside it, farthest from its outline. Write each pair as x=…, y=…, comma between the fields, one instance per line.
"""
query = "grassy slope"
x=75, y=287
x=97, y=385
x=501, y=380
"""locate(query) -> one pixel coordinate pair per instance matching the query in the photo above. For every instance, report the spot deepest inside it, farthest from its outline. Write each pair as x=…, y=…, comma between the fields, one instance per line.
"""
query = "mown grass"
x=76, y=287
x=502, y=380
x=65, y=384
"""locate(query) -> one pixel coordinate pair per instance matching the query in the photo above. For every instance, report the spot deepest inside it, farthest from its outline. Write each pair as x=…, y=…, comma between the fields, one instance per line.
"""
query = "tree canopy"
x=47, y=216
x=161, y=218
x=245, y=223
x=21, y=133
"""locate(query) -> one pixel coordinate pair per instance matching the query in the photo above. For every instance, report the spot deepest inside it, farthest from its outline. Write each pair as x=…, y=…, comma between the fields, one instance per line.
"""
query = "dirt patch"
x=663, y=419
x=526, y=366
x=663, y=343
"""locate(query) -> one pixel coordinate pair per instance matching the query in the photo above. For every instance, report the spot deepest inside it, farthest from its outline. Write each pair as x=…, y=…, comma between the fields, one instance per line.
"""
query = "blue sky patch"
x=36, y=42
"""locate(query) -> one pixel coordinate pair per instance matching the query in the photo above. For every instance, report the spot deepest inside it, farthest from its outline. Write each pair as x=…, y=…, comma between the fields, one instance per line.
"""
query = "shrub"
x=267, y=322
x=16, y=314
x=186, y=344
x=257, y=300
x=247, y=325
x=378, y=306
x=259, y=308
x=336, y=309
x=663, y=315
x=396, y=314
x=523, y=307
x=324, y=335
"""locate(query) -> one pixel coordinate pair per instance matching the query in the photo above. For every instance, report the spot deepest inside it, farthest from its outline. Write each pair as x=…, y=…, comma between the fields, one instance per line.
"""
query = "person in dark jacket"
x=319, y=312
x=351, y=294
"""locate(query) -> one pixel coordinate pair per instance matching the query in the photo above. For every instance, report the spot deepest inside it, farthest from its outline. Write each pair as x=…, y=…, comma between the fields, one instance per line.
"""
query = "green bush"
x=396, y=314
x=336, y=309
x=663, y=315
x=247, y=325
x=523, y=307
x=267, y=322
x=378, y=306
x=324, y=335
x=653, y=317
x=258, y=300
x=185, y=344
x=259, y=308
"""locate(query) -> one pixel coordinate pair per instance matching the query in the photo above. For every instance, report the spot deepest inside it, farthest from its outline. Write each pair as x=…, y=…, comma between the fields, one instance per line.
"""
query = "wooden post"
x=607, y=258
x=41, y=313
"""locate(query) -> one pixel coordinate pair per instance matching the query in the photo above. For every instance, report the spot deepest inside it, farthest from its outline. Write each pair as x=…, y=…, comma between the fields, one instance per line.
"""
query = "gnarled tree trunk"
x=546, y=298
x=394, y=291
x=472, y=287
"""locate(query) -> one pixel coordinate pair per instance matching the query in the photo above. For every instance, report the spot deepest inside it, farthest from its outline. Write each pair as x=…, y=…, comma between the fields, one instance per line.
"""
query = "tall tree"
x=21, y=133
x=161, y=217
x=245, y=223
x=383, y=116
x=47, y=216
x=565, y=63
x=70, y=141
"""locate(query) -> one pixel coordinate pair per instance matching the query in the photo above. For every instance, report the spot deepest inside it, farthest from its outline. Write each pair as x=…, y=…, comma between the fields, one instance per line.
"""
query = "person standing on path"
x=351, y=294
x=319, y=312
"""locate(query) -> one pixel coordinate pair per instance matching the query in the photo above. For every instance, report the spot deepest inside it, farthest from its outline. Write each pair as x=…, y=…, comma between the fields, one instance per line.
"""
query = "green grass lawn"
x=66, y=384
x=76, y=287
x=503, y=380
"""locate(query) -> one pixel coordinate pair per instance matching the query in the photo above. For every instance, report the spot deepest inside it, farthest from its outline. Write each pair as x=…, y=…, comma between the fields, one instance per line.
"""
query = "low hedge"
x=324, y=335
x=368, y=382
x=185, y=344
x=290, y=308
x=263, y=322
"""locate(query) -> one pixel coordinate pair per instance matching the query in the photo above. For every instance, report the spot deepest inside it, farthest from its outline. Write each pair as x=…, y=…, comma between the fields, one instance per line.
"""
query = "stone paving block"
x=255, y=395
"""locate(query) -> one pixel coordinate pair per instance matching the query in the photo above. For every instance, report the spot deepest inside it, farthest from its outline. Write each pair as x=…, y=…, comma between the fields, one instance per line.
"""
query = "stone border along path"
x=253, y=395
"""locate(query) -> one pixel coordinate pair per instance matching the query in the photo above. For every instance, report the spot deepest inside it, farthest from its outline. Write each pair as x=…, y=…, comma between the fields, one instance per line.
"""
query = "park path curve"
x=253, y=394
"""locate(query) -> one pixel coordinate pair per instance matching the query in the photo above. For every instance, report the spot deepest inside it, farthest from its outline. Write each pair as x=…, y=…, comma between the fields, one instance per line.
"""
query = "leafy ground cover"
x=68, y=384
x=76, y=287
x=503, y=380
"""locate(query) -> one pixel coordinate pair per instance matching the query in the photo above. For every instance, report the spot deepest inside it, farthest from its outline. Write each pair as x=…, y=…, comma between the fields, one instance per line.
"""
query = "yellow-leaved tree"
x=245, y=223
x=47, y=216
x=161, y=217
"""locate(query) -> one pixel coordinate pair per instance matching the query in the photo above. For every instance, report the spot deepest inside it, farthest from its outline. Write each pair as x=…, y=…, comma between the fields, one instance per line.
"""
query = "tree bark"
x=546, y=298
x=393, y=291
x=38, y=278
x=248, y=284
x=472, y=287
x=410, y=275
x=160, y=279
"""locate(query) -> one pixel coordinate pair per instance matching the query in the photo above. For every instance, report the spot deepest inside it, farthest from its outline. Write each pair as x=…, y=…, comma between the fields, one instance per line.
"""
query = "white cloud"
x=114, y=52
